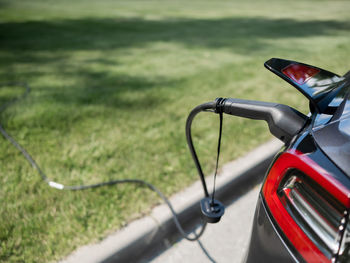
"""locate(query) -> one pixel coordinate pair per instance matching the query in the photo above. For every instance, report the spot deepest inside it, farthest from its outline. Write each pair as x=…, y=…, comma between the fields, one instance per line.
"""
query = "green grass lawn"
x=112, y=84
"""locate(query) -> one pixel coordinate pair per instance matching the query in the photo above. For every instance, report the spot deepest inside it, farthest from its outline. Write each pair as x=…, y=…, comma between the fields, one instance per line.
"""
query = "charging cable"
x=60, y=186
x=284, y=123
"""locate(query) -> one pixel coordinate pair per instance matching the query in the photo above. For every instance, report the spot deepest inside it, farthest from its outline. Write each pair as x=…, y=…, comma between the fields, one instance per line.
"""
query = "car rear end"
x=302, y=212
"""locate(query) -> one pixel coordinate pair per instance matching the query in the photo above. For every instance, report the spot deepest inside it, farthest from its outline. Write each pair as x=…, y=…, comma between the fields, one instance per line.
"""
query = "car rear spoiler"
x=318, y=85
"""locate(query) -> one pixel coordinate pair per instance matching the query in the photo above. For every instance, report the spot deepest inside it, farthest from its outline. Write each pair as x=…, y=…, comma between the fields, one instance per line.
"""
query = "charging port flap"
x=318, y=85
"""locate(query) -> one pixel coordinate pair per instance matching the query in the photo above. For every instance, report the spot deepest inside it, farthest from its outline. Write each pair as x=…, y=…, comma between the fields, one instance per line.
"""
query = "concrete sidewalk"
x=223, y=242
x=142, y=239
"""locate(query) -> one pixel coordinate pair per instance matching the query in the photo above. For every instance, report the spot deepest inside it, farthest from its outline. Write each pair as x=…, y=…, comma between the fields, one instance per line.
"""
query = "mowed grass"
x=112, y=84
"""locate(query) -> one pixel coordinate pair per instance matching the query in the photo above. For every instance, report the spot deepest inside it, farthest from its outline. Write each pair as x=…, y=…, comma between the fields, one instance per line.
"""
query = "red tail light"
x=300, y=73
x=308, y=204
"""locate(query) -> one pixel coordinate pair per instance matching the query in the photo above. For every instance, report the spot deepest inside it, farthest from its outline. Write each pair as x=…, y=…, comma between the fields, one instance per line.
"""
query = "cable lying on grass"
x=60, y=186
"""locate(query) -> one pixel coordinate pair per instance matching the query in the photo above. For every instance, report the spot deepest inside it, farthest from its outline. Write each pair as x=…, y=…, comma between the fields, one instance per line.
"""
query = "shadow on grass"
x=21, y=40
x=240, y=34
x=116, y=90
x=119, y=91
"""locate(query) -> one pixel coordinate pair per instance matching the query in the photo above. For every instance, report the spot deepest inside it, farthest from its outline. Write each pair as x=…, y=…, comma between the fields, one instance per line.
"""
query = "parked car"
x=302, y=214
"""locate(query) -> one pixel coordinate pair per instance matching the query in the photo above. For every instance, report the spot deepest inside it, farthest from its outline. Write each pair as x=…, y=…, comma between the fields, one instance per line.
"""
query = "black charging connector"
x=284, y=123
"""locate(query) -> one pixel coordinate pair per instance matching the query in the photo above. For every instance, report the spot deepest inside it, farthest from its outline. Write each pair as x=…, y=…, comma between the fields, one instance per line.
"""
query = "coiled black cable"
x=60, y=186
